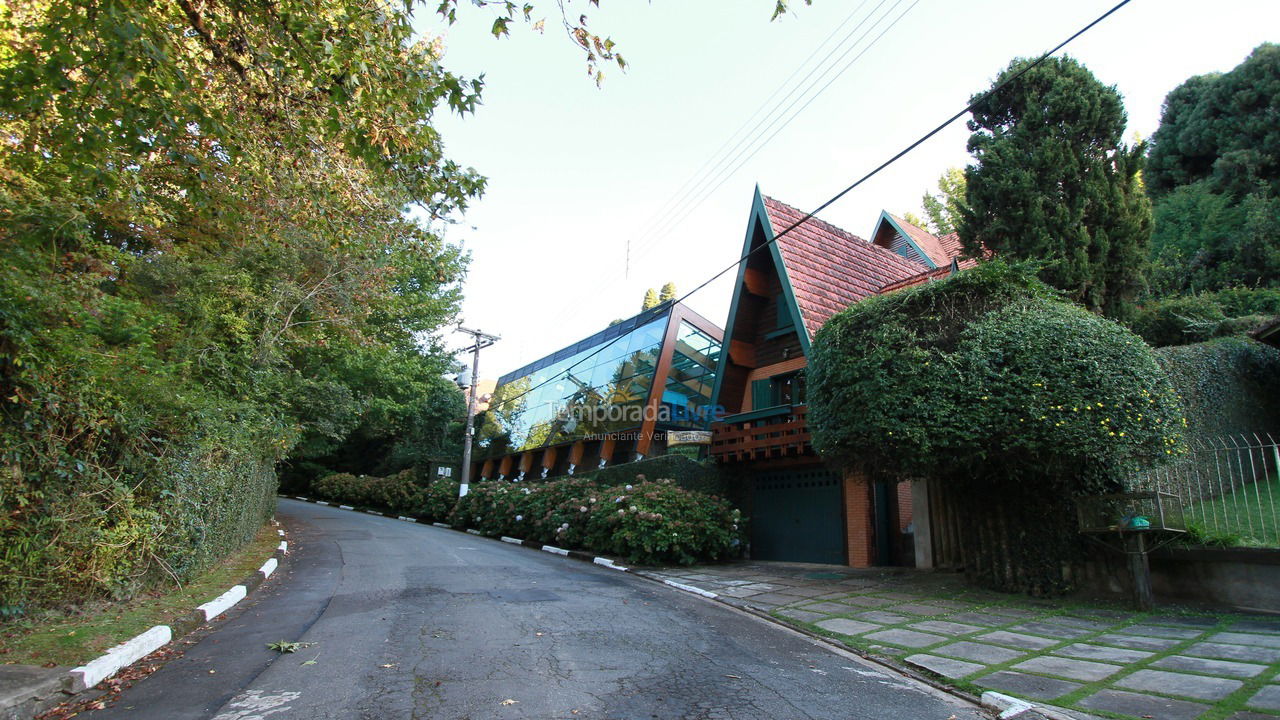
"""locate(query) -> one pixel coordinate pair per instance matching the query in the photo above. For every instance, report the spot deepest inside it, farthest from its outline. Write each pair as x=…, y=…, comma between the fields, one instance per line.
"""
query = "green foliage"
x=1008, y=396
x=206, y=265
x=643, y=522
x=667, y=293
x=1184, y=319
x=943, y=208
x=650, y=299
x=683, y=471
x=1214, y=170
x=1052, y=182
x=1227, y=386
x=1220, y=128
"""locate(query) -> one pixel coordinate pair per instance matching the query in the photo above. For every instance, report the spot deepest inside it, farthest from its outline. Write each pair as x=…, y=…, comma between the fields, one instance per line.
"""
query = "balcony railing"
x=771, y=433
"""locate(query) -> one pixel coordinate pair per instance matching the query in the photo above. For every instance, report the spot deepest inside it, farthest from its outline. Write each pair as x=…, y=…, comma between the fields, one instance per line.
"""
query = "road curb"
x=130, y=651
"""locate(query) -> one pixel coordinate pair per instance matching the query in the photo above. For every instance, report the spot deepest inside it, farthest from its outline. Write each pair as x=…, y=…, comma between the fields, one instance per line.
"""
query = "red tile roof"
x=939, y=249
x=831, y=269
x=927, y=276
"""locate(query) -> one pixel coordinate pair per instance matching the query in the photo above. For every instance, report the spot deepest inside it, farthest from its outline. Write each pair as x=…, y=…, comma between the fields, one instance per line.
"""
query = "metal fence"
x=1229, y=489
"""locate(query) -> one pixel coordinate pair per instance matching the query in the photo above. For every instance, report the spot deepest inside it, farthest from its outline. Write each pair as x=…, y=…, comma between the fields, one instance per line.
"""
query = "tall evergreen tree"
x=1053, y=182
x=650, y=299
x=668, y=292
x=943, y=208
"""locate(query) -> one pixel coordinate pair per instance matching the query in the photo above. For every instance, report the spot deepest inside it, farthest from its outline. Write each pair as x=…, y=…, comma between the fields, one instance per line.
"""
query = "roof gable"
x=828, y=268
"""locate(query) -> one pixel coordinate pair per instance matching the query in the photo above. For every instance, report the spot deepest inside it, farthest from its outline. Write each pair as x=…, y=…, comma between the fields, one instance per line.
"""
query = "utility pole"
x=482, y=341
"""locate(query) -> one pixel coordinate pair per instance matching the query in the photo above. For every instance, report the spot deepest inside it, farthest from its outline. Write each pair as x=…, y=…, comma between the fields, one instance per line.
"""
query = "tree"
x=650, y=299
x=943, y=208
x=1014, y=402
x=1053, y=182
x=914, y=219
x=1214, y=171
x=667, y=293
x=1221, y=128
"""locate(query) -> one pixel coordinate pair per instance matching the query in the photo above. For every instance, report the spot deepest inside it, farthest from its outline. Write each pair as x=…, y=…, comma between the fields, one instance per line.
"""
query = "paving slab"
x=1247, y=715
x=1050, y=629
x=1268, y=698
x=946, y=627
x=845, y=626
x=1205, y=666
x=1012, y=612
x=908, y=638
x=804, y=592
x=1018, y=640
x=1235, y=638
x=982, y=618
x=952, y=604
x=1102, y=613
x=867, y=601
x=773, y=598
x=1079, y=623
x=739, y=592
x=945, y=667
x=921, y=609
x=1103, y=653
x=884, y=618
x=1193, y=686
x=1161, y=631
x=988, y=654
x=1257, y=626
x=1068, y=668
x=1191, y=621
x=1136, y=643
x=1032, y=686
x=904, y=597
x=1139, y=705
x=829, y=608
x=802, y=615
x=1222, y=651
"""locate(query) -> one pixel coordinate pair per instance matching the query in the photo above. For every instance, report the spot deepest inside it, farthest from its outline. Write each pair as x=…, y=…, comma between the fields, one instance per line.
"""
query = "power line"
x=897, y=156
x=708, y=172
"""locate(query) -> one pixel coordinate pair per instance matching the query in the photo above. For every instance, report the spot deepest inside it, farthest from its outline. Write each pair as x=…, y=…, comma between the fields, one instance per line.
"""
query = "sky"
x=581, y=178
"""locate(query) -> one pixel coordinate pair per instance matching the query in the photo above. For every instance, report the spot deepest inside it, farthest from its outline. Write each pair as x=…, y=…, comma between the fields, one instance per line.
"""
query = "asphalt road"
x=412, y=621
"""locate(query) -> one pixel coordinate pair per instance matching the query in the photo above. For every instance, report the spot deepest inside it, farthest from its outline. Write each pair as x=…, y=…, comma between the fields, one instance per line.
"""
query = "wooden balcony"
x=763, y=434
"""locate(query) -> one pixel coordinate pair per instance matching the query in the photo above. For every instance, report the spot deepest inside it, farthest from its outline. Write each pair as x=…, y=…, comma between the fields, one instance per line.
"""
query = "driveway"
x=409, y=621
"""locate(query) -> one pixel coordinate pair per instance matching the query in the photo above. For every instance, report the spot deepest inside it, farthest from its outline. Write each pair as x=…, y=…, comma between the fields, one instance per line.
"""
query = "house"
x=610, y=398
x=786, y=290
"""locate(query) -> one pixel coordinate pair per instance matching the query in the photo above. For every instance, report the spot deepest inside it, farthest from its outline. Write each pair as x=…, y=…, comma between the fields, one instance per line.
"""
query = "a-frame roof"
x=829, y=268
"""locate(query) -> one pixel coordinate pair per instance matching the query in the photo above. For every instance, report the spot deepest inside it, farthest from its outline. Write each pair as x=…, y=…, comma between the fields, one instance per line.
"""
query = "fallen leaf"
x=509, y=701
x=388, y=665
x=735, y=677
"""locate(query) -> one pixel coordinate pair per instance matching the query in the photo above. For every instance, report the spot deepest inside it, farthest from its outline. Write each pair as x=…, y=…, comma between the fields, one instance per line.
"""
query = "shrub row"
x=646, y=522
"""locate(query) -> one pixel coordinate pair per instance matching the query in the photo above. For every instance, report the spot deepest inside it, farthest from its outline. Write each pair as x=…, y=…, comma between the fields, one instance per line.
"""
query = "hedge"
x=642, y=521
x=684, y=471
x=1228, y=386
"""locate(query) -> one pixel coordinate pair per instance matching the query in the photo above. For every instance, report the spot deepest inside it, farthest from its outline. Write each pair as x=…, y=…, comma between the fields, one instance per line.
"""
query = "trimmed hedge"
x=684, y=471
x=1228, y=386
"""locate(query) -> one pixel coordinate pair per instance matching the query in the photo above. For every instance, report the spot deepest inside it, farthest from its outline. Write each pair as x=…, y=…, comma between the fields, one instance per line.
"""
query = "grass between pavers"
x=977, y=601
x=71, y=639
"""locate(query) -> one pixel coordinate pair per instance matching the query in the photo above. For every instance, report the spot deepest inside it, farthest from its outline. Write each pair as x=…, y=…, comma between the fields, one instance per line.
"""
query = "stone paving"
x=1089, y=658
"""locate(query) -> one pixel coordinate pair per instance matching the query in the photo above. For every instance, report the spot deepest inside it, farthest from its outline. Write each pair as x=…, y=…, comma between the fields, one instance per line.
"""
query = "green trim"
x=761, y=414
x=886, y=217
x=780, y=332
x=757, y=211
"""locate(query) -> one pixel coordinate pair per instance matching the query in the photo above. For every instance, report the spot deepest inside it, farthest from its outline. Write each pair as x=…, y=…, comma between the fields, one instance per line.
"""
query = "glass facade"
x=602, y=385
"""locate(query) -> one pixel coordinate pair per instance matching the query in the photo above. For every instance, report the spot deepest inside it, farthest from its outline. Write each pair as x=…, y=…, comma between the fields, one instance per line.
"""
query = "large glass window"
x=686, y=396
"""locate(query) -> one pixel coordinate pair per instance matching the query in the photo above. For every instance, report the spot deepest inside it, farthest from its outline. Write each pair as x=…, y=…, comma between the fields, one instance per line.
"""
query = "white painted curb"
x=407, y=519
x=555, y=550
x=609, y=564
x=513, y=541
x=283, y=546
x=345, y=507
x=280, y=533
x=268, y=567
x=442, y=525
x=223, y=602
x=374, y=512
x=690, y=589
x=321, y=502
x=1008, y=707
x=473, y=532
x=122, y=655
x=299, y=497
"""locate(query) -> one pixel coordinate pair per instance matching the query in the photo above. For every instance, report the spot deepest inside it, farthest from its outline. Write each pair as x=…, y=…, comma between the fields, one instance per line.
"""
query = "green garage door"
x=796, y=517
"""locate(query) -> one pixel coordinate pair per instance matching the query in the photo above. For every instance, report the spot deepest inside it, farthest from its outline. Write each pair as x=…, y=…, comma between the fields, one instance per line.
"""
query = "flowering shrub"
x=644, y=522
x=437, y=501
x=658, y=522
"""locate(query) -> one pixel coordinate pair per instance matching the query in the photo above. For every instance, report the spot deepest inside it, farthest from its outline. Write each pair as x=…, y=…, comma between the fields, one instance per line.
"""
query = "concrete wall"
x=1246, y=579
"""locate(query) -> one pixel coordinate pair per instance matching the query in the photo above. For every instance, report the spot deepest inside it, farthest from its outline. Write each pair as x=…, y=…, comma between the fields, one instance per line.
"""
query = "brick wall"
x=859, y=521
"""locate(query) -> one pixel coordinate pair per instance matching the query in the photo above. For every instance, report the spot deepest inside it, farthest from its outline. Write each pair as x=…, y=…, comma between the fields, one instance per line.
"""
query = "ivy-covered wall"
x=1228, y=386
